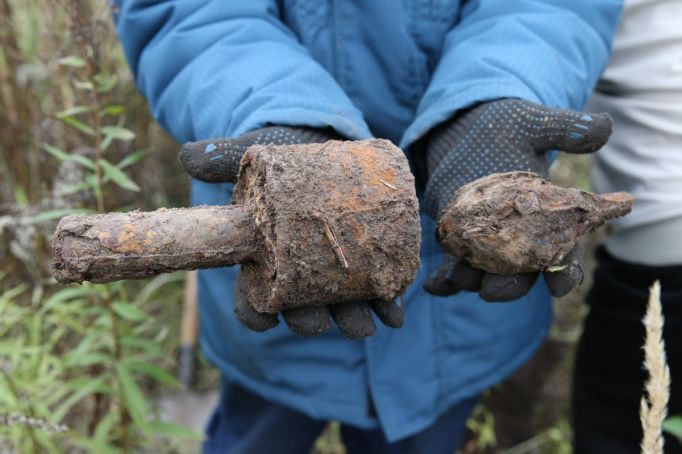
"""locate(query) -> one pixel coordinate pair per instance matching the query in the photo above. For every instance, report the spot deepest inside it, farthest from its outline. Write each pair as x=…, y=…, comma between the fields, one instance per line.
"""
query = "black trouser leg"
x=609, y=376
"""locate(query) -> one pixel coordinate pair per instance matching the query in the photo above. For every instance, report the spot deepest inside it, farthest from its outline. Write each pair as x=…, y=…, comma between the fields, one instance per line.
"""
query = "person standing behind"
x=642, y=90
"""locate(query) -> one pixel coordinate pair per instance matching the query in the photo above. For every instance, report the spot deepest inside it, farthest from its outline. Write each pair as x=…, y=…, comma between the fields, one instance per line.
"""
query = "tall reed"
x=654, y=405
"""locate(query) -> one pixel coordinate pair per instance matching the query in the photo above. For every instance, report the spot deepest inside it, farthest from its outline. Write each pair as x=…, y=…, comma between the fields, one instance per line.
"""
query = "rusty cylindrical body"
x=310, y=224
x=338, y=220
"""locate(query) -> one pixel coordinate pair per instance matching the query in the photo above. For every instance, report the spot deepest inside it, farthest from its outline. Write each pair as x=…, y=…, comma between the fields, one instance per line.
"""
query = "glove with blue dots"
x=502, y=136
x=217, y=161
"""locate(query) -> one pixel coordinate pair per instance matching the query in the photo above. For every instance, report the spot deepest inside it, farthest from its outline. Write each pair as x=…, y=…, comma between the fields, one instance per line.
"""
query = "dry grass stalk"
x=9, y=419
x=654, y=405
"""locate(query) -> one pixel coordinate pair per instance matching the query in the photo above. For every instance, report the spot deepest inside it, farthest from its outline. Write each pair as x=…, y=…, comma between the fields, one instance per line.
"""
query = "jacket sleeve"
x=214, y=68
x=546, y=51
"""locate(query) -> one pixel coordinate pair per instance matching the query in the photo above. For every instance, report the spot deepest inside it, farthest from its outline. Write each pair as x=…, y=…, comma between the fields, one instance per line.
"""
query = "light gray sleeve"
x=642, y=89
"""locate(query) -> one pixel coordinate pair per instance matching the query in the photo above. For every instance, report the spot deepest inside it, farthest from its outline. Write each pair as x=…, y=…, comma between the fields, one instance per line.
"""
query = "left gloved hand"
x=217, y=161
x=502, y=136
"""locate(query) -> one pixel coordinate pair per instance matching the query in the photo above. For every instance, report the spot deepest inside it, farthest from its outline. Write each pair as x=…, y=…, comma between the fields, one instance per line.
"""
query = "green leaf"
x=74, y=188
x=129, y=311
x=133, y=158
x=105, y=82
x=79, y=125
x=154, y=284
x=87, y=359
x=82, y=389
x=136, y=342
x=175, y=431
x=117, y=176
x=64, y=156
x=114, y=110
x=88, y=444
x=135, y=402
x=56, y=152
x=155, y=372
x=20, y=196
x=106, y=142
x=89, y=343
x=84, y=85
x=673, y=426
x=118, y=132
x=74, y=323
x=67, y=294
x=46, y=443
x=84, y=161
x=57, y=395
x=73, y=61
x=8, y=295
x=73, y=111
x=102, y=432
x=54, y=214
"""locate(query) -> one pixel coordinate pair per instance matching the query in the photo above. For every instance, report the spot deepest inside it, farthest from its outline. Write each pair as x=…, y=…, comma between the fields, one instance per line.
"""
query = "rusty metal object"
x=310, y=224
x=518, y=222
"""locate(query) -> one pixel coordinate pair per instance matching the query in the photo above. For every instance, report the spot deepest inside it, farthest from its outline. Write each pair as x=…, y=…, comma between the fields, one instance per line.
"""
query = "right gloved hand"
x=217, y=161
x=502, y=136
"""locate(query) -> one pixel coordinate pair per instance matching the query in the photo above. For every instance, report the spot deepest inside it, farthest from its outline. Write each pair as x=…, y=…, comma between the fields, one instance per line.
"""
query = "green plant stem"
x=91, y=66
x=97, y=404
x=79, y=12
x=29, y=410
x=118, y=354
x=98, y=150
x=532, y=444
x=97, y=126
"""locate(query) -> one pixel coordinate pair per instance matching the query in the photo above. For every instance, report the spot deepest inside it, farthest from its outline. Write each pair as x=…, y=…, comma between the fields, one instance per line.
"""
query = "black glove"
x=502, y=136
x=217, y=161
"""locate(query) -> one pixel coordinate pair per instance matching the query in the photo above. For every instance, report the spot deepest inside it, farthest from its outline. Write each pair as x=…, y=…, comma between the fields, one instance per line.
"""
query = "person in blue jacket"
x=465, y=88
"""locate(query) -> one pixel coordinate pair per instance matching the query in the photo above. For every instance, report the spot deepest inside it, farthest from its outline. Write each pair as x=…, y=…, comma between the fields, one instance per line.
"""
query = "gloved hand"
x=217, y=161
x=502, y=136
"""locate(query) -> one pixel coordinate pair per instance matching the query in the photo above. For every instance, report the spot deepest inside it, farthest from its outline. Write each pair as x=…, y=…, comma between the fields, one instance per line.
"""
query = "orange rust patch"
x=383, y=177
x=373, y=166
x=103, y=237
x=344, y=165
x=377, y=177
x=352, y=202
x=150, y=241
x=128, y=241
x=358, y=229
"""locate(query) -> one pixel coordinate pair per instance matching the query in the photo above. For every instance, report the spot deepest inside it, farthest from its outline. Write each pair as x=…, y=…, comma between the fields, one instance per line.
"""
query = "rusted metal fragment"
x=518, y=222
x=312, y=225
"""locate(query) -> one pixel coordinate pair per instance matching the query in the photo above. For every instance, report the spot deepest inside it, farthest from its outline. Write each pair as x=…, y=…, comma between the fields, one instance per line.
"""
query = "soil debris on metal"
x=518, y=222
x=310, y=224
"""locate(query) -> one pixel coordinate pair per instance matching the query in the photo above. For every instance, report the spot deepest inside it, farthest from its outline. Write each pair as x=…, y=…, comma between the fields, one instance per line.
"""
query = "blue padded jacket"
x=384, y=68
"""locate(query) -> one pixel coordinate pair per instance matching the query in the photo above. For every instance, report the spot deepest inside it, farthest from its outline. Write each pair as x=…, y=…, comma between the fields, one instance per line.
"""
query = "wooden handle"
x=113, y=246
x=189, y=322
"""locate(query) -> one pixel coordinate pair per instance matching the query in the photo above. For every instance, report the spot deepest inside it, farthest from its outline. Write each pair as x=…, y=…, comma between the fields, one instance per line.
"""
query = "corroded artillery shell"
x=518, y=222
x=312, y=224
